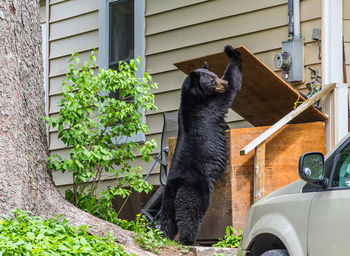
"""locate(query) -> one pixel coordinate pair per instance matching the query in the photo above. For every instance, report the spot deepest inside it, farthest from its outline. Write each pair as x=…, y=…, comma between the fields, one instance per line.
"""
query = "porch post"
x=335, y=105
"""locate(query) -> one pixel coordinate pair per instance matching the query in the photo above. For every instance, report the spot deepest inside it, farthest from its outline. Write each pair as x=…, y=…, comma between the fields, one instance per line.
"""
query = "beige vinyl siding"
x=73, y=28
x=176, y=31
x=71, y=8
x=156, y=24
x=77, y=43
x=58, y=66
x=159, y=6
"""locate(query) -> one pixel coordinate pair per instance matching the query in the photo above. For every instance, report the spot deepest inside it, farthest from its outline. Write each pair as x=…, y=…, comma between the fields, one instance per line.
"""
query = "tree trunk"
x=24, y=181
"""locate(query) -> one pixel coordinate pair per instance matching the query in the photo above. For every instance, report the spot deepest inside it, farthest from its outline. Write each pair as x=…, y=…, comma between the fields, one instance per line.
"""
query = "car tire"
x=276, y=253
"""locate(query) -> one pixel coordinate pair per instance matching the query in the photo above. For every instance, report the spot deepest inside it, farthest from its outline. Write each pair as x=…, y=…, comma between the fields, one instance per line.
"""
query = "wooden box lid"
x=264, y=97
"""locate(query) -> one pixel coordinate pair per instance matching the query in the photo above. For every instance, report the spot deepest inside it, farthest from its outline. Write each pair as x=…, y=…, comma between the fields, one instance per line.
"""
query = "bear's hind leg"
x=167, y=216
x=190, y=208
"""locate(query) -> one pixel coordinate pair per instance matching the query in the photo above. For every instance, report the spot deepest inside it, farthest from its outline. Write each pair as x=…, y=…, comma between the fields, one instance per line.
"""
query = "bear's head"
x=203, y=83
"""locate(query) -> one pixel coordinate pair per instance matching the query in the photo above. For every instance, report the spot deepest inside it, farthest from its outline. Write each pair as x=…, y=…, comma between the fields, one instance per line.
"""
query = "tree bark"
x=24, y=180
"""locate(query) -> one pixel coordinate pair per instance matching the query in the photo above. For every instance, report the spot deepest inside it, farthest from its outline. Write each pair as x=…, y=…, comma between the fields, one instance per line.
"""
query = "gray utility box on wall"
x=291, y=60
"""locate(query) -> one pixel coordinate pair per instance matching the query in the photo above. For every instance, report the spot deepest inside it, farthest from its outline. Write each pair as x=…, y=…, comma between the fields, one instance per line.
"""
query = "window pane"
x=341, y=177
x=121, y=32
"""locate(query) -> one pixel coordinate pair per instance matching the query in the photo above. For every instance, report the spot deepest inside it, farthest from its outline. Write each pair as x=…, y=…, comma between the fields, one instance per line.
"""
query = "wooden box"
x=233, y=194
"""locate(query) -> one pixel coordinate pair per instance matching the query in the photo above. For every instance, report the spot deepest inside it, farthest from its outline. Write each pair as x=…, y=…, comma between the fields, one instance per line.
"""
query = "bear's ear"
x=205, y=65
x=193, y=75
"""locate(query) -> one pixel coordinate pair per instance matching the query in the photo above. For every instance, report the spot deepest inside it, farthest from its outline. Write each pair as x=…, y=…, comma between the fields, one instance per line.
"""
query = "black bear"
x=200, y=155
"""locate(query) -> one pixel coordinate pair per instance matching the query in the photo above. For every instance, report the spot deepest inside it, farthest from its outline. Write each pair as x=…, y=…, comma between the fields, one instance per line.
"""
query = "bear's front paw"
x=231, y=52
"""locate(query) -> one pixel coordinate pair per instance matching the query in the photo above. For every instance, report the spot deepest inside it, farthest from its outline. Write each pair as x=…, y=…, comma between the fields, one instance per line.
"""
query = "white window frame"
x=139, y=43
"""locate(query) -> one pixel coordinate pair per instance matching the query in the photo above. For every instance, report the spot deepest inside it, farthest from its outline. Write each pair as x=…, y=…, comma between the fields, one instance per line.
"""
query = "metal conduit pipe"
x=294, y=18
x=290, y=19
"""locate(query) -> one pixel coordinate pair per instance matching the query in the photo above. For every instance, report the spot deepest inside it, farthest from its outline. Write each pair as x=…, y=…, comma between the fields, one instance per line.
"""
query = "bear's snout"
x=220, y=85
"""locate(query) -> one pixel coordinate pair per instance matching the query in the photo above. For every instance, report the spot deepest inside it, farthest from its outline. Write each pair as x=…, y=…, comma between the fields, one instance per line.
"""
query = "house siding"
x=176, y=31
x=205, y=27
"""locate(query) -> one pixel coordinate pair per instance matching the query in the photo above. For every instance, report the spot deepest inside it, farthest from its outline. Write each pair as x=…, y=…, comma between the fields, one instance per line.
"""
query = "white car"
x=310, y=217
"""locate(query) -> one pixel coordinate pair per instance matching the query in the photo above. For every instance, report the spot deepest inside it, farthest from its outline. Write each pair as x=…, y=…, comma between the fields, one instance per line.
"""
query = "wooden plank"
x=287, y=119
x=259, y=171
x=264, y=97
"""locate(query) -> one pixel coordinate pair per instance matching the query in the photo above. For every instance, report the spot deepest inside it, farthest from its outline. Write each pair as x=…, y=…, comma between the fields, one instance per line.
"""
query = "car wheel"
x=276, y=253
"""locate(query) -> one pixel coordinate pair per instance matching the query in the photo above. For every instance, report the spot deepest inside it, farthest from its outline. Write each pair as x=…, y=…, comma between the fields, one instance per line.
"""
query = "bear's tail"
x=232, y=53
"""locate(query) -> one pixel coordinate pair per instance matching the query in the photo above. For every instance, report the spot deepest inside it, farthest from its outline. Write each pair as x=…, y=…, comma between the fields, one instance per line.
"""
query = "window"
x=341, y=177
x=121, y=37
x=121, y=32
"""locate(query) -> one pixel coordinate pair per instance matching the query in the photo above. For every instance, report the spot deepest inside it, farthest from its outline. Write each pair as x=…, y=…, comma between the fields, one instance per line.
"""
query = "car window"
x=341, y=176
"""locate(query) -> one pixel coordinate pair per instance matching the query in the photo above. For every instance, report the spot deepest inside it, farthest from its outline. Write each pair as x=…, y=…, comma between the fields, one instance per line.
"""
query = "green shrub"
x=232, y=238
x=29, y=235
x=97, y=127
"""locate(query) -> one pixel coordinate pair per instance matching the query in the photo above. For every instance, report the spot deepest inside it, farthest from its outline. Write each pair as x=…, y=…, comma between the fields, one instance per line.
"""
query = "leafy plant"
x=151, y=239
x=148, y=238
x=97, y=127
x=232, y=238
x=29, y=235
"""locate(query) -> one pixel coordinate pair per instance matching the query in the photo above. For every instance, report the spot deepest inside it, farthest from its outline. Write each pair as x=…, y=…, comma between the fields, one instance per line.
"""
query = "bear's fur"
x=200, y=155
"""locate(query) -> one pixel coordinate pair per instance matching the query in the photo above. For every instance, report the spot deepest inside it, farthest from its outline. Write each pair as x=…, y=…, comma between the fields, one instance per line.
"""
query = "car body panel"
x=309, y=220
x=329, y=223
x=283, y=213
